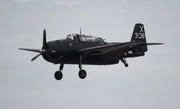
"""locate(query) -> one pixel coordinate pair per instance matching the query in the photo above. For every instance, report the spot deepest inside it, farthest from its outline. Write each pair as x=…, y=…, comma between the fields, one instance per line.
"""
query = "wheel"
x=58, y=75
x=82, y=74
x=126, y=64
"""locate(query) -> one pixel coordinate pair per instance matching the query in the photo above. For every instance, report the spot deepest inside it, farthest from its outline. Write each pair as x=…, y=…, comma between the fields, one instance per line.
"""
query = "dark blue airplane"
x=86, y=49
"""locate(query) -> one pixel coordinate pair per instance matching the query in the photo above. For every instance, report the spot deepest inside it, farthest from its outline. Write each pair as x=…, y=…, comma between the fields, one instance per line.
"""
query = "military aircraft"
x=90, y=50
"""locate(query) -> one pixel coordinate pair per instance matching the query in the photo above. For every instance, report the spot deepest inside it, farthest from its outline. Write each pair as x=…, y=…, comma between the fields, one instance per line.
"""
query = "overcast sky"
x=150, y=82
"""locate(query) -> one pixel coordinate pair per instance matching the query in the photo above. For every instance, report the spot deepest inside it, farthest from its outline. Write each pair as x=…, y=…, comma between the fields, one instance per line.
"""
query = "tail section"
x=139, y=36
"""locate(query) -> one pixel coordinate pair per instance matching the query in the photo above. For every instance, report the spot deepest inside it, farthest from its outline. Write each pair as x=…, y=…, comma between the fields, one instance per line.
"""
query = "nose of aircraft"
x=52, y=52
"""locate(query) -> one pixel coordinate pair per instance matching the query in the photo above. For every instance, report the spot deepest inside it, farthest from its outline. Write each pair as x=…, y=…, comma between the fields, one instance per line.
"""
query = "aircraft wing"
x=109, y=48
x=121, y=47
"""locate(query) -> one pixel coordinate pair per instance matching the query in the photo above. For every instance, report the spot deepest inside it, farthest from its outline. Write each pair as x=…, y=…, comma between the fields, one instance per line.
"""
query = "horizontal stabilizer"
x=154, y=44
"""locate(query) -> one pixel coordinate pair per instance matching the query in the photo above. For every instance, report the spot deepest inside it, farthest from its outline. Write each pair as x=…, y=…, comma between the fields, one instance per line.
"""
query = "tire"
x=82, y=74
x=58, y=75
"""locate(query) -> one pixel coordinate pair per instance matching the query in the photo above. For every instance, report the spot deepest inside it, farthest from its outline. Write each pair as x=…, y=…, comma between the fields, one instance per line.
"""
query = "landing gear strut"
x=82, y=73
x=58, y=74
x=124, y=62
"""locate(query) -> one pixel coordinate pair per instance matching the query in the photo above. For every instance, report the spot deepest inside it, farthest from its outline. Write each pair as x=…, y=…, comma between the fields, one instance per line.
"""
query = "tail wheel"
x=82, y=74
x=58, y=75
x=126, y=64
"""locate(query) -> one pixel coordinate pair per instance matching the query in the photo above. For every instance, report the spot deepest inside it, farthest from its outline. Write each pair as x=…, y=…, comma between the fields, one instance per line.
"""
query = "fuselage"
x=65, y=51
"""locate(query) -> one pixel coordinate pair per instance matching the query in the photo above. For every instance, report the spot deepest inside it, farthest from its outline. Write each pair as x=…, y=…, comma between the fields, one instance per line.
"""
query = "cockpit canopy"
x=85, y=38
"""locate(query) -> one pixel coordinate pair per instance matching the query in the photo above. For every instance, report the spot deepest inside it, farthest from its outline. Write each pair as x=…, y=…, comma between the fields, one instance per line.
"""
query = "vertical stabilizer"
x=139, y=36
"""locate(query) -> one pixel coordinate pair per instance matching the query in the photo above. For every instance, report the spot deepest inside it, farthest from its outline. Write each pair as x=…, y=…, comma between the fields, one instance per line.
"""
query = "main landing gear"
x=124, y=62
x=58, y=74
x=82, y=73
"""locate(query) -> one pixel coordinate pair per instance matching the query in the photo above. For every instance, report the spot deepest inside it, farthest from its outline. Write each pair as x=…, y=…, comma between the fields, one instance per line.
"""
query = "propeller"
x=80, y=30
x=44, y=40
x=40, y=51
